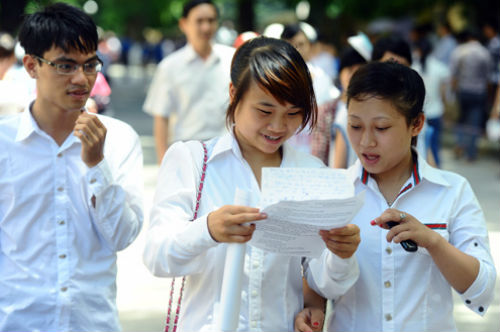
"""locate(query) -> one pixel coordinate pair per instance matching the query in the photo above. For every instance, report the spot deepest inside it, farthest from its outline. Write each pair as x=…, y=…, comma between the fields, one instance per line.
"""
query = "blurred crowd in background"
x=459, y=60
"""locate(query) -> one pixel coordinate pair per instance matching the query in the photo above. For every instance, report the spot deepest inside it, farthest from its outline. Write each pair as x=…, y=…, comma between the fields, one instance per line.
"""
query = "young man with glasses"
x=70, y=187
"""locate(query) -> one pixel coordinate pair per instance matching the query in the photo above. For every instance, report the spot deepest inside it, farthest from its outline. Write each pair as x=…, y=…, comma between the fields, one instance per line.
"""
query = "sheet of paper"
x=299, y=202
x=285, y=184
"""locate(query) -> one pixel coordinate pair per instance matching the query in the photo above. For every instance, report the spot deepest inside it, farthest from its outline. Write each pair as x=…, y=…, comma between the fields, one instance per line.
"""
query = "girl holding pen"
x=400, y=289
x=271, y=97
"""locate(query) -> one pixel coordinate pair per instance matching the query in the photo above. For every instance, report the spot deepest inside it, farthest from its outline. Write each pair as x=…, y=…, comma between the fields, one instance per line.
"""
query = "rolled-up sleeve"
x=330, y=275
x=175, y=245
x=470, y=235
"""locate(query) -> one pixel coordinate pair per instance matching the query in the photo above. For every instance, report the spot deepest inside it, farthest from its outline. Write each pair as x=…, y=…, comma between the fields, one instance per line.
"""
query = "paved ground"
x=142, y=298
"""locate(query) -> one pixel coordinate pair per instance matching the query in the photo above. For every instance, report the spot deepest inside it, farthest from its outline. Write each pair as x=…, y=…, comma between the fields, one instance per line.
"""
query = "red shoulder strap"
x=168, y=326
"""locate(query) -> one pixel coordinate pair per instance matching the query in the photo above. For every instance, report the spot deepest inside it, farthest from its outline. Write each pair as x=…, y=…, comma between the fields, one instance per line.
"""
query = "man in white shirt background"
x=70, y=187
x=191, y=83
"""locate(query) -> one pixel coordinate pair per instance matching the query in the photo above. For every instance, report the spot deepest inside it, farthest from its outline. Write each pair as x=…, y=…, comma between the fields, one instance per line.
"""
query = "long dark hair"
x=277, y=67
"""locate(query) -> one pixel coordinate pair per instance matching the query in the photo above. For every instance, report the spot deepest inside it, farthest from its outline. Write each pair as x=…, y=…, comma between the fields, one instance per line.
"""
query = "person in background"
x=470, y=67
x=490, y=32
x=271, y=97
x=191, y=83
x=436, y=76
x=244, y=37
x=99, y=99
x=301, y=35
x=324, y=55
x=332, y=121
x=445, y=44
x=13, y=96
x=7, y=56
x=70, y=187
x=400, y=290
x=392, y=47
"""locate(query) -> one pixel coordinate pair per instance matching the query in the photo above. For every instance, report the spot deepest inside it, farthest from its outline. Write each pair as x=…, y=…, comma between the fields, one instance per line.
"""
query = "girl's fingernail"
x=373, y=222
x=315, y=323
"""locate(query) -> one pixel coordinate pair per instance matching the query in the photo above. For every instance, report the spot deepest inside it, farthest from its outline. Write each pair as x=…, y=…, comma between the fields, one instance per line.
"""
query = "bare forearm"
x=311, y=298
x=160, y=131
x=456, y=266
x=340, y=159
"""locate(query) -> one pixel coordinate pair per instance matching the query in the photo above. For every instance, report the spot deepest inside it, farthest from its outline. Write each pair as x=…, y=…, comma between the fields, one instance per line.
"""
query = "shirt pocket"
x=441, y=227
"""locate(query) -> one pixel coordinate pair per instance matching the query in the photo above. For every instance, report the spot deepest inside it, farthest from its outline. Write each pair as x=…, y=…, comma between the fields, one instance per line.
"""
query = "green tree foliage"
x=131, y=17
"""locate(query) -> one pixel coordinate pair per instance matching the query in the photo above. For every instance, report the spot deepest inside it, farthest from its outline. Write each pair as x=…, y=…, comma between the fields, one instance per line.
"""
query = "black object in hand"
x=407, y=245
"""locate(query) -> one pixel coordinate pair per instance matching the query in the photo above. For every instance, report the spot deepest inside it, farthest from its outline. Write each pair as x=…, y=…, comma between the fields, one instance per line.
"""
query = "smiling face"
x=381, y=136
x=57, y=91
x=261, y=123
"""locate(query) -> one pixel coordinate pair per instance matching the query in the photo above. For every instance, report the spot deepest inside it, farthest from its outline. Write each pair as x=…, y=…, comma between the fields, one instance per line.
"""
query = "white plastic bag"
x=493, y=130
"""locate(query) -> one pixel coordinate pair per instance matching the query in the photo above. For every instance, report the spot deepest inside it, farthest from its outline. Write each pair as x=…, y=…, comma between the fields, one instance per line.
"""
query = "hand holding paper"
x=343, y=241
x=299, y=202
x=227, y=224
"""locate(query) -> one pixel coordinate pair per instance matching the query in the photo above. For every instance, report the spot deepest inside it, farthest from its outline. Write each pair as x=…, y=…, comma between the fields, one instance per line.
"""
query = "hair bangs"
x=77, y=44
x=281, y=78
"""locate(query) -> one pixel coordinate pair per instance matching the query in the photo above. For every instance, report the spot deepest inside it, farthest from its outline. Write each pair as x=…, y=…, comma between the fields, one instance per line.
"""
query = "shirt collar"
x=223, y=144
x=27, y=125
x=421, y=171
x=191, y=54
x=228, y=142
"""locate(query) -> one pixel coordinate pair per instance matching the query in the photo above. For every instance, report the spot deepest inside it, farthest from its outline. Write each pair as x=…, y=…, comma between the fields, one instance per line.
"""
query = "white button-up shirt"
x=402, y=291
x=196, y=90
x=58, y=252
x=272, y=284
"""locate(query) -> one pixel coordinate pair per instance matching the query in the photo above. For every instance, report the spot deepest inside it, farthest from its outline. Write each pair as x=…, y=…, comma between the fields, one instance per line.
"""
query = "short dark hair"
x=194, y=3
x=350, y=57
x=59, y=25
x=390, y=81
x=290, y=31
x=277, y=67
x=394, y=44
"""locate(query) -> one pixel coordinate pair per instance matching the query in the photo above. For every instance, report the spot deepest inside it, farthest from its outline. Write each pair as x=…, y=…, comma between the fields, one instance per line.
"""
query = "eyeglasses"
x=89, y=68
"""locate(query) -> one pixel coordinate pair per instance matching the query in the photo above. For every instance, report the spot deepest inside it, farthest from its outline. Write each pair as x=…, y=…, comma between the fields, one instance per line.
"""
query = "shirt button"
x=63, y=289
x=387, y=284
x=93, y=180
x=255, y=264
x=61, y=222
x=254, y=293
x=388, y=250
x=254, y=324
x=62, y=256
x=388, y=317
x=60, y=189
x=59, y=155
